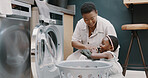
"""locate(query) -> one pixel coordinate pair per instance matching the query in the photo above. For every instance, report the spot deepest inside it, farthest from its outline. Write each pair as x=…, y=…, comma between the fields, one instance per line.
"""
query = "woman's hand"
x=92, y=48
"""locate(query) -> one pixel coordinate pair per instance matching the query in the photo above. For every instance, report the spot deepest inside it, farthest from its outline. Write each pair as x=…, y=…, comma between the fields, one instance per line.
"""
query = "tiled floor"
x=135, y=74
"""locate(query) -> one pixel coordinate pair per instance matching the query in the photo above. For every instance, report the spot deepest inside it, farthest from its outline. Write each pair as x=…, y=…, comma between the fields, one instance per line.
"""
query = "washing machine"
x=15, y=42
x=56, y=20
x=47, y=42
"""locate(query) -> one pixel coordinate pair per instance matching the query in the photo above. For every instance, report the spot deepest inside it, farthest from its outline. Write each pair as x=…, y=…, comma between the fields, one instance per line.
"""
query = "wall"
x=118, y=14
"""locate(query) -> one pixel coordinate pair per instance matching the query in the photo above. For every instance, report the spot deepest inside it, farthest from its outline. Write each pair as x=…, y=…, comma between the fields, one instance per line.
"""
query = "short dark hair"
x=114, y=41
x=87, y=7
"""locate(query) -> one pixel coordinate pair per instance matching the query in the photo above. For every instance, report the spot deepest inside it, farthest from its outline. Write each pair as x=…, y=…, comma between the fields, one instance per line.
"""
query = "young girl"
x=106, y=53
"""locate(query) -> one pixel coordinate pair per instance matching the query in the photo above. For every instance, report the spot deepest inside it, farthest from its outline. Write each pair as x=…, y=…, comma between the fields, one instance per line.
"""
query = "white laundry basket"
x=83, y=69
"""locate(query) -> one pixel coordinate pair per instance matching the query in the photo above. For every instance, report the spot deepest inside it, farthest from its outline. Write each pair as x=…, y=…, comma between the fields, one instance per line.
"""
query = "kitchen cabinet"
x=68, y=31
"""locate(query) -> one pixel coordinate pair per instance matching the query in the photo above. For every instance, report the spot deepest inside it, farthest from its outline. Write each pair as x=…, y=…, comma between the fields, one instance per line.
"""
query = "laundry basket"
x=83, y=69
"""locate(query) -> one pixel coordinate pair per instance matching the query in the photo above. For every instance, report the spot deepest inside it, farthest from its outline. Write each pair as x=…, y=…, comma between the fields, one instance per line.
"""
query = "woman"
x=90, y=30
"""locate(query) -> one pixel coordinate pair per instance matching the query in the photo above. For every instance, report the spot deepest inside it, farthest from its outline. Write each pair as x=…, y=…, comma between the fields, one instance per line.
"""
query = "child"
x=106, y=53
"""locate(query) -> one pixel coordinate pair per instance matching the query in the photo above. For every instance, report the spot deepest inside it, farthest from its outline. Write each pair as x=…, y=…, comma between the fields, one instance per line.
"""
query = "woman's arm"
x=78, y=45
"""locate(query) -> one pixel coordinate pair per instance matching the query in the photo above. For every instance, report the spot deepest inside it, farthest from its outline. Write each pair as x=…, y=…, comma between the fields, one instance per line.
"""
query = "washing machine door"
x=55, y=35
x=45, y=54
x=14, y=52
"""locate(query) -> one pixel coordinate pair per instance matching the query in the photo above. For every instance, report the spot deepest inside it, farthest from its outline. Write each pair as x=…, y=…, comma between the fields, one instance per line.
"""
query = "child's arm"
x=101, y=55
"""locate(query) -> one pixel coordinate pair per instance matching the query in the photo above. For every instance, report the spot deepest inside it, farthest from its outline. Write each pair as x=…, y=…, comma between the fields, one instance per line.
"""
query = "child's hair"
x=113, y=41
x=87, y=7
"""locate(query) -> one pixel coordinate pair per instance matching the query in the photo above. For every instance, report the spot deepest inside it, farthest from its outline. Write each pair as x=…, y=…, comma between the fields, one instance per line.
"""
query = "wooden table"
x=128, y=2
x=135, y=27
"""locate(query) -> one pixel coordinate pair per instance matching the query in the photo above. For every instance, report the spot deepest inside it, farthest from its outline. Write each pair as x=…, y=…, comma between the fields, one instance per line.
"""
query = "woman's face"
x=105, y=45
x=90, y=18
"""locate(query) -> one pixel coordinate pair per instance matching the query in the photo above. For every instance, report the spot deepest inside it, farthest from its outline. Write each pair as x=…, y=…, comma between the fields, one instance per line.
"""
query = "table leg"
x=127, y=57
x=142, y=57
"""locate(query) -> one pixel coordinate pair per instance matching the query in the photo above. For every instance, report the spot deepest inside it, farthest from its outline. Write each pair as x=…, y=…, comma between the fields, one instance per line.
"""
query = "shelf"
x=128, y=2
x=134, y=27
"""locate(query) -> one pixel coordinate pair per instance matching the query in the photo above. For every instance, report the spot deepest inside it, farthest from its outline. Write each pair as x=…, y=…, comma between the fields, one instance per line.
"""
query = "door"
x=46, y=51
x=14, y=52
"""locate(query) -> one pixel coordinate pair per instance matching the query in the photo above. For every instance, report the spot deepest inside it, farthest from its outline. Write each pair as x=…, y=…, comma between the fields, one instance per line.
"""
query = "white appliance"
x=15, y=42
x=56, y=20
x=27, y=1
x=47, y=42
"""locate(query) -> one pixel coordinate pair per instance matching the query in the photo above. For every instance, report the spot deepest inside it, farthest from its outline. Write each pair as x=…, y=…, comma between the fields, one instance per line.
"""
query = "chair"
x=134, y=28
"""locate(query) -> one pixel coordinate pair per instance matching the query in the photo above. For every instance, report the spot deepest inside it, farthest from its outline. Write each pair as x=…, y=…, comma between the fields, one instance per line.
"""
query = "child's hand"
x=91, y=48
x=95, y=50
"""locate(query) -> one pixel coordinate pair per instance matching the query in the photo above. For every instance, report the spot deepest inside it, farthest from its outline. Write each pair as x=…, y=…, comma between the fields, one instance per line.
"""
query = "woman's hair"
x=113, y=41
x=87, y=7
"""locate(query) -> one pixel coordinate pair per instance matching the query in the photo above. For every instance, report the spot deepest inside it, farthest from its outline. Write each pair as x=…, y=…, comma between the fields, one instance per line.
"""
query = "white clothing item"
x=103, y=28
x=116, y=70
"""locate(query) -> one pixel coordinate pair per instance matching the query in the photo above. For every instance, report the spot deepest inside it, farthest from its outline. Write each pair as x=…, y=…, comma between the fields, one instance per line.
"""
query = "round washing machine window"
x=45, y=52
x=53, y=33
x=14, y=51
x=53, y=37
